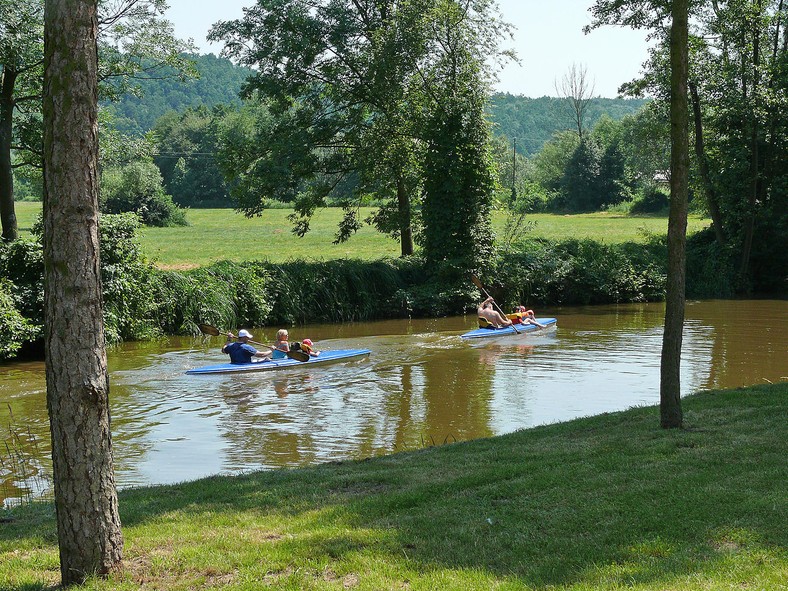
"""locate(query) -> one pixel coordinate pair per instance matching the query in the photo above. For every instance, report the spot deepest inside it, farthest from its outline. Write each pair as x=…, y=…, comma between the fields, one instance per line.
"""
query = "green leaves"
x=346, y=93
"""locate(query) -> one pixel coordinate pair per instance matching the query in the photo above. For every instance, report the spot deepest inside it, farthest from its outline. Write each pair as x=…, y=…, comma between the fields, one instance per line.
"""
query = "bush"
x=652, y=199
x=22, y=264
x=579, y=272
x=336, y=291
x=137, y=188
x=15, y=329
x=710, y=269
x=130, y=283
x=227, y=294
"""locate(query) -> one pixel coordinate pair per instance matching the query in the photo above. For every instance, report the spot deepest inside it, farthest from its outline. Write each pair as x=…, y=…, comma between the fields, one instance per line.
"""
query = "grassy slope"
x=607, y=502
x=216, y=234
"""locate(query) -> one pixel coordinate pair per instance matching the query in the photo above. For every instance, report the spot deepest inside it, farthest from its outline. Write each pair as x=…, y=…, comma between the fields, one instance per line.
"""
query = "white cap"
x=244, y=333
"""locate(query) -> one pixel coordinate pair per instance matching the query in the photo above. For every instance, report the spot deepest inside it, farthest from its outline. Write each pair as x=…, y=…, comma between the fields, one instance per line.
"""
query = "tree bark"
x=670, y=367
x=88, y=523
x=703, y=168
x=10, y=230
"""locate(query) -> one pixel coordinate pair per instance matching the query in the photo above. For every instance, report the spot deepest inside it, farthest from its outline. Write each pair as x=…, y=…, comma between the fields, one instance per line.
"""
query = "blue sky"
x=548, y=40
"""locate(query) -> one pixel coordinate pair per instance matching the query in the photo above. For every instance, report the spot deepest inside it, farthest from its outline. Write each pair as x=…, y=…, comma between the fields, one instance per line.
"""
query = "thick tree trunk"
x=703, y=168
x=88, y=522
x=405, y=222
x=7, y=212
x=670, y=367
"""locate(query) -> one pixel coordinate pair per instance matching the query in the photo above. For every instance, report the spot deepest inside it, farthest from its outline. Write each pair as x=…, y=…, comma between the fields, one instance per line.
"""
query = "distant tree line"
x=217, y=81
x=534, y=121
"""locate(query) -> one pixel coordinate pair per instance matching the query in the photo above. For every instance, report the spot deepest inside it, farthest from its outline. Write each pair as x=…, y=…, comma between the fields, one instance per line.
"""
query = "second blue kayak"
x=486, y=333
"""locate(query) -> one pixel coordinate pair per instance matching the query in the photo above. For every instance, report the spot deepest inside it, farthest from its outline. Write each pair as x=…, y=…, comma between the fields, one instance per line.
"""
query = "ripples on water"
x=422, y=385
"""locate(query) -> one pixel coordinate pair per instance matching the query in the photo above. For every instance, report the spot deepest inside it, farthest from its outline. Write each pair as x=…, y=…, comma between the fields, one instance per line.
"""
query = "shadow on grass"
x=608, y=501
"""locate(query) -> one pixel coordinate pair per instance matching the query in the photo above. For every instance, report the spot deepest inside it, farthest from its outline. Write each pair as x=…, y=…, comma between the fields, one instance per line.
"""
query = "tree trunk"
x=88, y=523
x=7, y=212
x=703, y=166
x=405, y=223
x=670, y=374
x=752, y=197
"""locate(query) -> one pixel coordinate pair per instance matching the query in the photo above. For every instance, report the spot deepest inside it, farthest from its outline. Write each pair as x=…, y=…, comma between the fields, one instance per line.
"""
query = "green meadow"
x=610, y=502
x=223, y=234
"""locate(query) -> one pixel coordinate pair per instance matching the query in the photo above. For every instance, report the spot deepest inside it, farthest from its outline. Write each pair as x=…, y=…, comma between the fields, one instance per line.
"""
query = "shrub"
x=137, y=188
x=15, y=329
x=336, y=291
x=22, y=264
x=710, y=269
x=579, y=272
x=225, y=294
x=130, y=283
x=651, y=200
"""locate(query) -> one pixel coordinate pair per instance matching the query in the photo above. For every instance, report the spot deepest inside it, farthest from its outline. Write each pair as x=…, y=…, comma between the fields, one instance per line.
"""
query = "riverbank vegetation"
x=143, y=301
x=600, y=503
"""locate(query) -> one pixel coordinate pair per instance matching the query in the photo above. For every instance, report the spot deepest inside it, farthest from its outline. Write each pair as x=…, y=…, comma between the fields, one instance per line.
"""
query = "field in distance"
x=223, y=234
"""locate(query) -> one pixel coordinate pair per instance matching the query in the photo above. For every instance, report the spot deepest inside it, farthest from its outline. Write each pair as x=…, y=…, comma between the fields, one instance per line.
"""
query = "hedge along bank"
x=143, y=302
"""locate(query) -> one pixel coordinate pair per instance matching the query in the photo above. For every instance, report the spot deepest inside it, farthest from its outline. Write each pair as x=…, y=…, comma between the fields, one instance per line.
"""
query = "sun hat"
x=244, y=333
x=307, y=342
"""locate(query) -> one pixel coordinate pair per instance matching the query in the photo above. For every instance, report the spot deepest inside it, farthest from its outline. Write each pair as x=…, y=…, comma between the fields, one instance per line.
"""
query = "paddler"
x=240, y=351
x=487, y=313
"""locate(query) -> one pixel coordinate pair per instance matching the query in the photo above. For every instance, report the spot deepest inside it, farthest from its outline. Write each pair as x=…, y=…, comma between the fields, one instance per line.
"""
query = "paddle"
x=215, y=332
x=478, y=284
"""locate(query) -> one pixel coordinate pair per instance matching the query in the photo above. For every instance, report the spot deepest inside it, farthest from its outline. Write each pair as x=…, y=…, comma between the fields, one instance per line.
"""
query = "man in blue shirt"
x=241, y=351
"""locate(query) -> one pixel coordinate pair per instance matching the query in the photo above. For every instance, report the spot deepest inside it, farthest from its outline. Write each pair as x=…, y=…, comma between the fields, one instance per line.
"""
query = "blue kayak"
x=286, y=363
x=486, y=333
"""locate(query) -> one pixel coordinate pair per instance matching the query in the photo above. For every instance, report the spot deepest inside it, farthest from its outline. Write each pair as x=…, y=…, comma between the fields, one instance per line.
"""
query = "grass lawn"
x=217, y=234
x=603, y=503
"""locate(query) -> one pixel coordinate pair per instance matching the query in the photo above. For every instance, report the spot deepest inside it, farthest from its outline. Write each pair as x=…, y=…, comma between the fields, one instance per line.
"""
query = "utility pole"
x=514, y=168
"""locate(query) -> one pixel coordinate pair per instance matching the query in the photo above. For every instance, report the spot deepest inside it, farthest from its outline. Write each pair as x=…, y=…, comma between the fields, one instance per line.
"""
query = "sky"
x=548, y=39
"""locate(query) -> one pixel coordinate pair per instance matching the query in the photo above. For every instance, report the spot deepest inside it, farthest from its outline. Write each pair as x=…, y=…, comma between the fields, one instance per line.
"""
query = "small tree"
x=137, y=187
x=580, y=186
x=577, y=91
x=186, y=157
x=670, y=376
x=549, y=164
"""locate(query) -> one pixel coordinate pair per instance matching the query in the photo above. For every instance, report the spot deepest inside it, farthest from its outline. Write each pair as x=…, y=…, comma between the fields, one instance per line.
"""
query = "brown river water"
x=422, y=385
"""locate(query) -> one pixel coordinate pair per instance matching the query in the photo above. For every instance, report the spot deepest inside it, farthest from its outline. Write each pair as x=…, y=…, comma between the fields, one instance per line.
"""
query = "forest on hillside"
x=218, y=82
x=532, y=121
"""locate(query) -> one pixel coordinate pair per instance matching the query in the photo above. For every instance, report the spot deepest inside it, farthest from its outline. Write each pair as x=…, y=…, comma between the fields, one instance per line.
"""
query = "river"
x=422, y=385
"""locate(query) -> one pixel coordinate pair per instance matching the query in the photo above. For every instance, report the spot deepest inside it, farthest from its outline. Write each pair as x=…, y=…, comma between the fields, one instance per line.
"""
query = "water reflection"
x=422, y=385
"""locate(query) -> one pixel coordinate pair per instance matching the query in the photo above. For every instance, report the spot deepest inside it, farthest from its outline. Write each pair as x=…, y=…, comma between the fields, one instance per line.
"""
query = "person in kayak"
x=282, y=346
x=523, y=316
x=240, y=351
x=308, y=347
x=490, y=315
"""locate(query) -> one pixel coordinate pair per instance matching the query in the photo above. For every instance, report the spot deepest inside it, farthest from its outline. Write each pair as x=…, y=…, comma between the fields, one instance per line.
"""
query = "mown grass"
x=602, y=503
x=222, y=234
